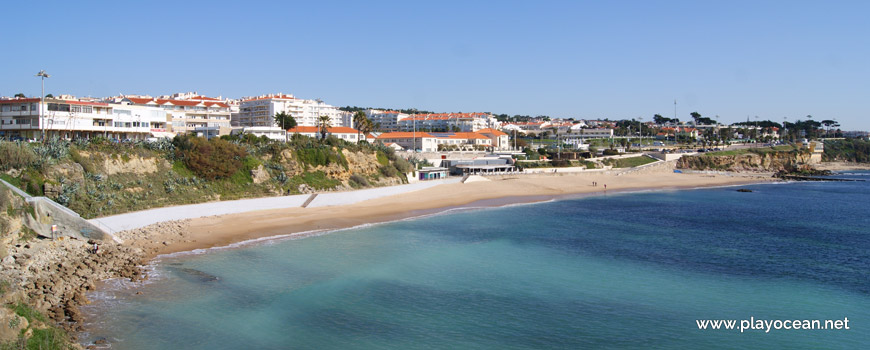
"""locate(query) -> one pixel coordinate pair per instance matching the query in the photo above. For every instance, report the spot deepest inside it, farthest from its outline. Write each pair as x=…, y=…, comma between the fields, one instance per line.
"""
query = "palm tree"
x=359, y=119
x=366, y=127
x=324, y=124
x=285, y=121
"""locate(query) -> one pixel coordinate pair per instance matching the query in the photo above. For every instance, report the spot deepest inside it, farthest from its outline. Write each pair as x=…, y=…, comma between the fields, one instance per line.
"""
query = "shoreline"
x=224, y=230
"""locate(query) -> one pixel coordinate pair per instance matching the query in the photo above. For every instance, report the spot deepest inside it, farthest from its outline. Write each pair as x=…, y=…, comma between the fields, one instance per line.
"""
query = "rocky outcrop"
x=749, y=162
x=260, y=175
x=135, y=165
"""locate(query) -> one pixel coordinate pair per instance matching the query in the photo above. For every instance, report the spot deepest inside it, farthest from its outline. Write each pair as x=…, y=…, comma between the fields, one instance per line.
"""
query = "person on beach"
x=96, y=248
x=605, y=187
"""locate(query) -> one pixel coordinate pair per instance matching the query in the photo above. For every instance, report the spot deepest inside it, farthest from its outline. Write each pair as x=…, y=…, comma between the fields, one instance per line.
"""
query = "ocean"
x=621, y=270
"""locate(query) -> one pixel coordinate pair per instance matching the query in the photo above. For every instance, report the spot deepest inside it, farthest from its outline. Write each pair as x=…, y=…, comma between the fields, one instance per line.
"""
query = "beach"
x=580, y=271
x=216, y=231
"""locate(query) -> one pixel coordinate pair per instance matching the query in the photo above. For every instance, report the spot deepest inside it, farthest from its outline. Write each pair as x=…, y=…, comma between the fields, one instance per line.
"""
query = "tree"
x=658, y=119
x=828, y=124
x=324, y=123
x=49, y=96
x=285, y=121
x=695, y=116
x=366, y=127
x=359, y=119
x=20, y=95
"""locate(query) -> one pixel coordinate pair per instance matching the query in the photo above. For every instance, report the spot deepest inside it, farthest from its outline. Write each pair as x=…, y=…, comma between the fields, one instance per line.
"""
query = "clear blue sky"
x=614, y=59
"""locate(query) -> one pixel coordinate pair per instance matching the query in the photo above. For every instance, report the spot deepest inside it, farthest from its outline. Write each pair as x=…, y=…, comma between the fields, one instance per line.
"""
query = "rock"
x=9, y=260
x=52, y=190
x=744, y=190
x=260, y=175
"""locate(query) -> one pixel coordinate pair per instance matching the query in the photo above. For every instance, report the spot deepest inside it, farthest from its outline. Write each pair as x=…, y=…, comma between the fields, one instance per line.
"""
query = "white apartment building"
x=20, y=118
x=199, y=114
x=386, y=121
x=261, y=110
x=463, y=122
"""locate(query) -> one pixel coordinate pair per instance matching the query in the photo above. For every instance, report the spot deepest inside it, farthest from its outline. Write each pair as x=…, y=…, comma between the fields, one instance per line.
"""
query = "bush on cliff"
x=210, y=159
x=16, y=155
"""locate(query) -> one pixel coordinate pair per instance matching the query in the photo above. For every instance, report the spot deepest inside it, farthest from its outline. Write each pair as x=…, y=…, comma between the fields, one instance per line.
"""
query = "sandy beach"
x=222, y=230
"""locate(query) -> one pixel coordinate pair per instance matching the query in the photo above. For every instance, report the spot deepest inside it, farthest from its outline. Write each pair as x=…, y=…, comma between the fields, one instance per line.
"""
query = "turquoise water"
x=616, y=271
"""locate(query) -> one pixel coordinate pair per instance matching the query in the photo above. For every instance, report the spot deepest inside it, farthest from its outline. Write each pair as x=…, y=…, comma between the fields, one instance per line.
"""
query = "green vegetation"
x=49, y=338
x=100, y=177
x=628, y=162
x=758, y=150
x=849, y=150
x=321, y=156
x=210, y=159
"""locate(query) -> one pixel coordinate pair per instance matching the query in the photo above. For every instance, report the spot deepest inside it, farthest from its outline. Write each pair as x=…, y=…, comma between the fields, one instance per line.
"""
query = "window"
x=75, y=109
x=60, y=107
x=88, y=109
x=23, y=108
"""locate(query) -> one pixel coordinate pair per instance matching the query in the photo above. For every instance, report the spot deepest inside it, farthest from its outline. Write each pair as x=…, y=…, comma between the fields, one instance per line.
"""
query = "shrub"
x=16, y=155
x=357, y=180
x=402, y=165
x=388, y=171
x=317, y=156
x=215, y=159
x=382, y=158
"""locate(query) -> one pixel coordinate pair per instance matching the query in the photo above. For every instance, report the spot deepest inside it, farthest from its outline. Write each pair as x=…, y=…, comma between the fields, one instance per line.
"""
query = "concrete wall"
x=48, y=213
x=134, y=220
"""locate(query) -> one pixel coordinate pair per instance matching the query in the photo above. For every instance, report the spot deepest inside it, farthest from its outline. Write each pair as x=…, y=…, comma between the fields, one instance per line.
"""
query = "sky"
x=571, y=59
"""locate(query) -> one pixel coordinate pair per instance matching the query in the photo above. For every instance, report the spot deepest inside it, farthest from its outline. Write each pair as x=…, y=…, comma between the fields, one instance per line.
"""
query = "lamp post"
x=42, y=74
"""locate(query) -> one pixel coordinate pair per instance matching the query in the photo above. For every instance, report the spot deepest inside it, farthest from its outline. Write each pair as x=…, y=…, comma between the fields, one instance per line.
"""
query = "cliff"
x=761, y=160
x=99, y=178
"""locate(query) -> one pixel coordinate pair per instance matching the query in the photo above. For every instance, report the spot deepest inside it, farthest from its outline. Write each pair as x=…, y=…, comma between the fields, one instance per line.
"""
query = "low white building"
x=73, y=118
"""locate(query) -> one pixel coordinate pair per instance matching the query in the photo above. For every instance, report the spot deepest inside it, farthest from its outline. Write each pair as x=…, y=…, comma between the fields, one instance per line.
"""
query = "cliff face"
x=749, y=162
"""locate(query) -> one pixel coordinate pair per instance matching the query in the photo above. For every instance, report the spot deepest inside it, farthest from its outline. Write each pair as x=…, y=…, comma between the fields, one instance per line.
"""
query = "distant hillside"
x=101, y=177
x=848, y=150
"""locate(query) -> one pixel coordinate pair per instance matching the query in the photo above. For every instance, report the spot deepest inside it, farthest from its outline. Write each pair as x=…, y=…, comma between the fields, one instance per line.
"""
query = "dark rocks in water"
x=744, y=190
x=196, y=275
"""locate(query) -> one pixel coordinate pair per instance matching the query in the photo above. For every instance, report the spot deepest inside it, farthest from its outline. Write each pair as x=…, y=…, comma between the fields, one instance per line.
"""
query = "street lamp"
x=42, y=74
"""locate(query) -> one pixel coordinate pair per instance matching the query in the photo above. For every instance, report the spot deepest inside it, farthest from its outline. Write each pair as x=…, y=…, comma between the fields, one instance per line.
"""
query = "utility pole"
x=42, y=75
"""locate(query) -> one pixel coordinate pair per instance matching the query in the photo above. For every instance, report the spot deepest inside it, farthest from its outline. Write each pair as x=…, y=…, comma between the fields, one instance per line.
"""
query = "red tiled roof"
x=84, y=103
x=203, y=98
x=315, y=129
x=402, y=135
x=304, y=129
x=140, y=101
x=19, y=100
x=491, y=131
x=342, y=130
x=275, y=97
x=467, y=136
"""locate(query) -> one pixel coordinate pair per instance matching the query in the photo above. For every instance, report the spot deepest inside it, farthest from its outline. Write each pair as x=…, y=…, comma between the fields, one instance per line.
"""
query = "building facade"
x=261, y=110
x=72, y=118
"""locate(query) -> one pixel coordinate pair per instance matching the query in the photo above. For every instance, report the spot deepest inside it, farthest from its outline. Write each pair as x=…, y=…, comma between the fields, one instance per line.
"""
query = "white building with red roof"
x=70, y=118
x=205, y=116
x=439, y=141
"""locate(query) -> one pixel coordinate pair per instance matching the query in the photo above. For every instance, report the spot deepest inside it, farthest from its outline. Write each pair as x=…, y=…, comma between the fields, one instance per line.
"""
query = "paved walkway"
x=134, y=220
